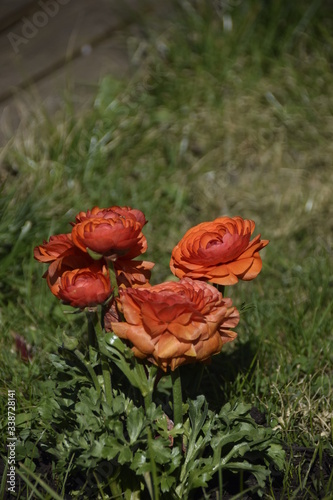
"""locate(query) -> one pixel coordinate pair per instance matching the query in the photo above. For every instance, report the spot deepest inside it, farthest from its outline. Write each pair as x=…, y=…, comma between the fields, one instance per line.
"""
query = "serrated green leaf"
x=155, y=413
x=119, y=405
x=89, y=396
x=134, y=423
x=277, y=454
x=96, y=449
x=139, y=462
x=197, y=416
x=161, y=450
x=119, y=431
x=110, y=452
x=198, y=480
x=125, y=455
x=167, y=482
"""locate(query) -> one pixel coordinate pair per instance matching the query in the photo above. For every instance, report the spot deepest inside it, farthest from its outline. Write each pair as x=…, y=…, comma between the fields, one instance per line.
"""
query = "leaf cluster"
x=128, y=447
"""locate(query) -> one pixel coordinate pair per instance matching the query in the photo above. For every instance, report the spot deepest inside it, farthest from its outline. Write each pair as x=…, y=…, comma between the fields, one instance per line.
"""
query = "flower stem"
x=107, y=379
x=177, y=397
x=95, y=327
x=92, y=340
x=147, y=400
x=153, y=488
x=113, y=278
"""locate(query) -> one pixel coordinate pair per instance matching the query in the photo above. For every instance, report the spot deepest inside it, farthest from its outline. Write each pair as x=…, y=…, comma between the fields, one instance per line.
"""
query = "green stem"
x=107, y=379
x=95, y=325
x=150, y=374
x=113, y=278
x=92, y=340
x=177, y=397
x=155, y=490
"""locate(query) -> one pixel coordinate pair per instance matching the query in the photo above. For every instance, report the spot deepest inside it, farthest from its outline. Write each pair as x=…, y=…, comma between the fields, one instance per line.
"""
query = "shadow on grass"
x=217, y=380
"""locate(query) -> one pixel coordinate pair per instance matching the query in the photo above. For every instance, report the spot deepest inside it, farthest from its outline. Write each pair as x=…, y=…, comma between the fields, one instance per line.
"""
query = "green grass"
x=214, y=123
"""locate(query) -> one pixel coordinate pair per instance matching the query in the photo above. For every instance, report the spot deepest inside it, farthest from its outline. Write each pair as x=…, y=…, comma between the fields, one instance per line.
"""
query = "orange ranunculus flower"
x=61, y=254
x=52, y=249
x=85, y=287
x=110, y=234
x=219, y=251
x=112, y=213
x=173, y=324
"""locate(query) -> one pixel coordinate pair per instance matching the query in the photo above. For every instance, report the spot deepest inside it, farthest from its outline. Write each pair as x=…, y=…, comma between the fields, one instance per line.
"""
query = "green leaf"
x=124, y=358
x=135, y=421
x=94, y=255
x=125, y=455
x=110, y=452
x=277, y=454
x=23, y=418
x=161, y=449
x=139, y=463
x=167, y=482
x=69, y=343
x=197, y=418
x=97, y=448
x=201, y=473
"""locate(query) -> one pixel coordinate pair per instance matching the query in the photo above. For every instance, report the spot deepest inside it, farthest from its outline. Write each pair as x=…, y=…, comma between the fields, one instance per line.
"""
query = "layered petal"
x=175, y=323
x=112, y=213
x=86, y=287
x=52, y=249
x=113, y=237
x=133, y=273
x=219, y=251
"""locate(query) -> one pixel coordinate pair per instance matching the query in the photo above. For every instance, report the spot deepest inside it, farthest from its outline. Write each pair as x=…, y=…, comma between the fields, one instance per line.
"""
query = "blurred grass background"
x=229, y=112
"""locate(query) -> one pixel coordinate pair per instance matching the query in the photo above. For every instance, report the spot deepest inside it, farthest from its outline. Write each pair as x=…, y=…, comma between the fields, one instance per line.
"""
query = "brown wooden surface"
x=81, y=42
x=13, y=10
x=77, y=24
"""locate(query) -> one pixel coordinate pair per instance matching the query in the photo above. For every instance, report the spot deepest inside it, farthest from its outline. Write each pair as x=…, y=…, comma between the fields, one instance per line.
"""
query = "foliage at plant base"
x=127, y=449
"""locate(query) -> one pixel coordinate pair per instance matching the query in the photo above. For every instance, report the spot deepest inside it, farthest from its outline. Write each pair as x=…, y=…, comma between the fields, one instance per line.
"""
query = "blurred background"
x=49, y=47
x=187, y=110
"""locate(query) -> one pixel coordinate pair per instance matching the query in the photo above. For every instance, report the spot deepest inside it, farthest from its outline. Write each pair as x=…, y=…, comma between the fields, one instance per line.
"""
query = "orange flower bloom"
x=86, y=287
x=133, y=273
x=72, y=259
x=75, y=278
x=51, y=250
x=67, y=260
x=176, y=323
x=112, y=213
x=219, y=251
x=112, y=232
